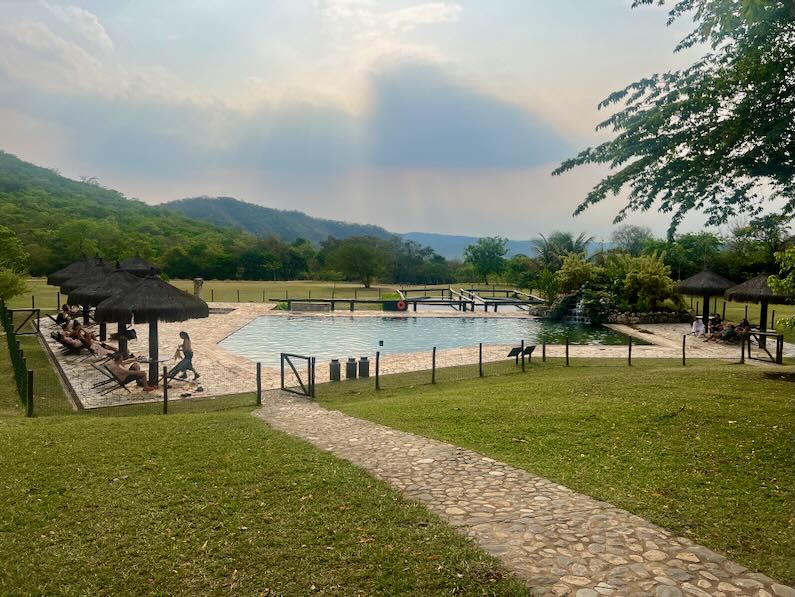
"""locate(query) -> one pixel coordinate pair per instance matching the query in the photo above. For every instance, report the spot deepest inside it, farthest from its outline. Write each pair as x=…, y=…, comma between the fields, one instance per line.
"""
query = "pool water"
x=342, y=337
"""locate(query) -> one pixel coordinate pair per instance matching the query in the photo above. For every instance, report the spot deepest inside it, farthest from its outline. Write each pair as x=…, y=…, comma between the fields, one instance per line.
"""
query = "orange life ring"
x=401, y=305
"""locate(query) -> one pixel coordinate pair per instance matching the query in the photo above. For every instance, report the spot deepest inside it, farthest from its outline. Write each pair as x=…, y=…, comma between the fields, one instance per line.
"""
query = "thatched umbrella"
x=706, y=284
x=756, y=290
x=152, y=300
x=138, y=266
x=72, y=270
x=89, y=275
x=91, y=294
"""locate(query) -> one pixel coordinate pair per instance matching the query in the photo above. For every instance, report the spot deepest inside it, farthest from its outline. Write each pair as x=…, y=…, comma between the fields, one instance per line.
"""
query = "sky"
x=443, y=116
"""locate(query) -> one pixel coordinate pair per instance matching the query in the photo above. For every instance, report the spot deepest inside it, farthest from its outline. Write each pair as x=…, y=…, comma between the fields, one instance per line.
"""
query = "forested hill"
x=60, y=220
x=265, y=221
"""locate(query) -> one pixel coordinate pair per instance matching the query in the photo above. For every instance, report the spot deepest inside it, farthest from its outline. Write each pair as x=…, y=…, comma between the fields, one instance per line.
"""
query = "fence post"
x=521, y=348
x=629, y=352
x=742, y=351
x=433, y=366
x=684, y=337
x=259, y=384
x=29, y=405
x=165, y=390
x=58, y=301
x=746, y=311
x=312, y=378
x=773, y=320
x=723, y=315
x=377, y=370
x=33, y=301
x=567, y=350
x=238, y=295
x=544, y=349
x=212, y=295
x=480, y=359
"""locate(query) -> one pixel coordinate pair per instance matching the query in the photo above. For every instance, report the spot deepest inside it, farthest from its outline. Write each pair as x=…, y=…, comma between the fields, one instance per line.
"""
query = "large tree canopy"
x=718, y=136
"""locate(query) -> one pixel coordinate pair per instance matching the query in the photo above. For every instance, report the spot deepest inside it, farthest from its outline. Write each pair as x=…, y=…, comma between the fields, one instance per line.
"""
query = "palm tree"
x=551, y=250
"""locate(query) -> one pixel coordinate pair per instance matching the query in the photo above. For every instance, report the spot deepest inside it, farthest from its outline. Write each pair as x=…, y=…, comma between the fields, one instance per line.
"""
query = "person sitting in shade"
x=184, y=350
x=64, y=315
x=129, y=370
x=698, y=328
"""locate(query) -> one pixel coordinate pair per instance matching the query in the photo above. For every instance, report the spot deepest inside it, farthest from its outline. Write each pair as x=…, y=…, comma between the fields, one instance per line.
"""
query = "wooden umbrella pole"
x=705, y=312
x=121, y=337
x=153, y=353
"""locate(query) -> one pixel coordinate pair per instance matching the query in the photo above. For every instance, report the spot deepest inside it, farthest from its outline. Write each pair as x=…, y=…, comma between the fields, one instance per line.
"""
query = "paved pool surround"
x=224, y=372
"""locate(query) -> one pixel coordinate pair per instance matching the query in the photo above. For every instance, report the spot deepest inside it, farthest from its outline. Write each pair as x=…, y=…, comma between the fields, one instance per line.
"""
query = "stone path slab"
x=559, y=541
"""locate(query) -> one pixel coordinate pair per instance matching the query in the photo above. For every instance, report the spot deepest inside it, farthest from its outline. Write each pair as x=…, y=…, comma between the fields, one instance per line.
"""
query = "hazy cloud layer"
x=440, y=116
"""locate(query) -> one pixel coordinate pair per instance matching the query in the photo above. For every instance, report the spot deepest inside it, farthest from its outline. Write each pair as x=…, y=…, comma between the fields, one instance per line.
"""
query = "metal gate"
x=21, y=317
x=298, y=374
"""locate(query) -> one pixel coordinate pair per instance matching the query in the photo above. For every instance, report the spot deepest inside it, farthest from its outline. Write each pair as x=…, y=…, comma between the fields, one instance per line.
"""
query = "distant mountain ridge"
x=451, y=246
x=265, y=221
x=290, y=225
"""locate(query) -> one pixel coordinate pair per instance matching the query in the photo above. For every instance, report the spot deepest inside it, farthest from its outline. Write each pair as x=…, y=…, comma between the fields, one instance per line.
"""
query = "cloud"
x=425, y=118
x=411, y=17
x=84, y=23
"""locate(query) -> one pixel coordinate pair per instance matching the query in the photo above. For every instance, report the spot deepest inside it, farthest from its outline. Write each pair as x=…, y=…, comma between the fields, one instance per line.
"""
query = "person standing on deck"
x=184, y=350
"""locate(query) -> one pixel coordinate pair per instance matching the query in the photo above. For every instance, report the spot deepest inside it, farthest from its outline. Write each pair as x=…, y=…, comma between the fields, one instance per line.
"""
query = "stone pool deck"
x=223, y=372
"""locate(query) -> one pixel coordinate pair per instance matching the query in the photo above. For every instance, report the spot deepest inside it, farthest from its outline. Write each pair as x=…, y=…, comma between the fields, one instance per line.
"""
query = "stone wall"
x=653, y=317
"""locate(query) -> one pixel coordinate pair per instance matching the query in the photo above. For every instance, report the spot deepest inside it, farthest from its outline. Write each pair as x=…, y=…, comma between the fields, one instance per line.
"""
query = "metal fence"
x=23, y=377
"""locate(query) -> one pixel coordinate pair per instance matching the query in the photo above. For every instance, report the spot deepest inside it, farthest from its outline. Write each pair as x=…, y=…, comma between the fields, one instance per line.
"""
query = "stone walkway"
x=560, y=542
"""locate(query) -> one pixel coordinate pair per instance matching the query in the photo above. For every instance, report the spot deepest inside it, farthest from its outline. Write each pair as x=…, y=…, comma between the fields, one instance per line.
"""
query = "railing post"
x=312, y=378
x=433, y=366
x=282, y=369
x=480, y=359
x=377, y=370
x=259, y=384
x=521, y=348
x=29, y=405
x=629, y=351
x=165, y=390
x=567, y=350
x=684, y=337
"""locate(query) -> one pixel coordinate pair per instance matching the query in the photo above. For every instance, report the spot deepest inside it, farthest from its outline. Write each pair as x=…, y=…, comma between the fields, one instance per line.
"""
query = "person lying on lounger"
x=129, y=370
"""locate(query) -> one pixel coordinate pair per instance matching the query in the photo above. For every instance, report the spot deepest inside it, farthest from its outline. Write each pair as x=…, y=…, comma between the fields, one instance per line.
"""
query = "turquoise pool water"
x=341, y=337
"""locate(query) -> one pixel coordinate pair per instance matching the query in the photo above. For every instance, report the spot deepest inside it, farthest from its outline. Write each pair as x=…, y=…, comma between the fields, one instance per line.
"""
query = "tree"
x=547, y=286
x=631, y=239
x=648, y=282
x=550, y=250
x=575, y=272
x=718, y=136
x=487, y=256
x=13, y=263
x=522, y=271
x=359, y=258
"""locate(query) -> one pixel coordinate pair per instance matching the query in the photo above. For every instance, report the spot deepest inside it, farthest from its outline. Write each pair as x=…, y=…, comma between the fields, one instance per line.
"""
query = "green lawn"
x=705, y=450
x=209, y=505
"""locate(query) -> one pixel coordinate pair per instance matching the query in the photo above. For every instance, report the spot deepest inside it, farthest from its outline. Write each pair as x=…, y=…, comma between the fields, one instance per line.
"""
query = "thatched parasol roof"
x=94, y=293
x=139, y=266
x=90, y=275
x=151, y=300
x=704, y=283
x=756, y=290
x=73, y=269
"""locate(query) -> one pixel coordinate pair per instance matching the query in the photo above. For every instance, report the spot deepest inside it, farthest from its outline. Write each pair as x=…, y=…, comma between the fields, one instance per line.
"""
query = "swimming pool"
x=342, y=337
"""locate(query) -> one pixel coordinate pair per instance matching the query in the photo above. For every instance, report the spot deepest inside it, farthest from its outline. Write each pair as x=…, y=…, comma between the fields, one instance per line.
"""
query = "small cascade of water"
x=577, y=314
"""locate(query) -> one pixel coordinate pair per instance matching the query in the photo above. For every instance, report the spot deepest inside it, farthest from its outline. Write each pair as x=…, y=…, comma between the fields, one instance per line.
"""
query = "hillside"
x=451, y=246
x=265, y=221
x=60, y=220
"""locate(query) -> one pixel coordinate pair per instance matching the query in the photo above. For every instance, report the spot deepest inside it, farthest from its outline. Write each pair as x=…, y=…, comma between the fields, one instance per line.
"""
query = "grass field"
x=705, y=450
x=207, y=504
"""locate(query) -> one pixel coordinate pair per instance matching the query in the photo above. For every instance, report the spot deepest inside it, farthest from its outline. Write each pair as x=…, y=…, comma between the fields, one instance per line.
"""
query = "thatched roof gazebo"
x=93, y=293
x=73, y=269
x=756, y=290
x=706, y=284
x=138, y=266
x=150, y=301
